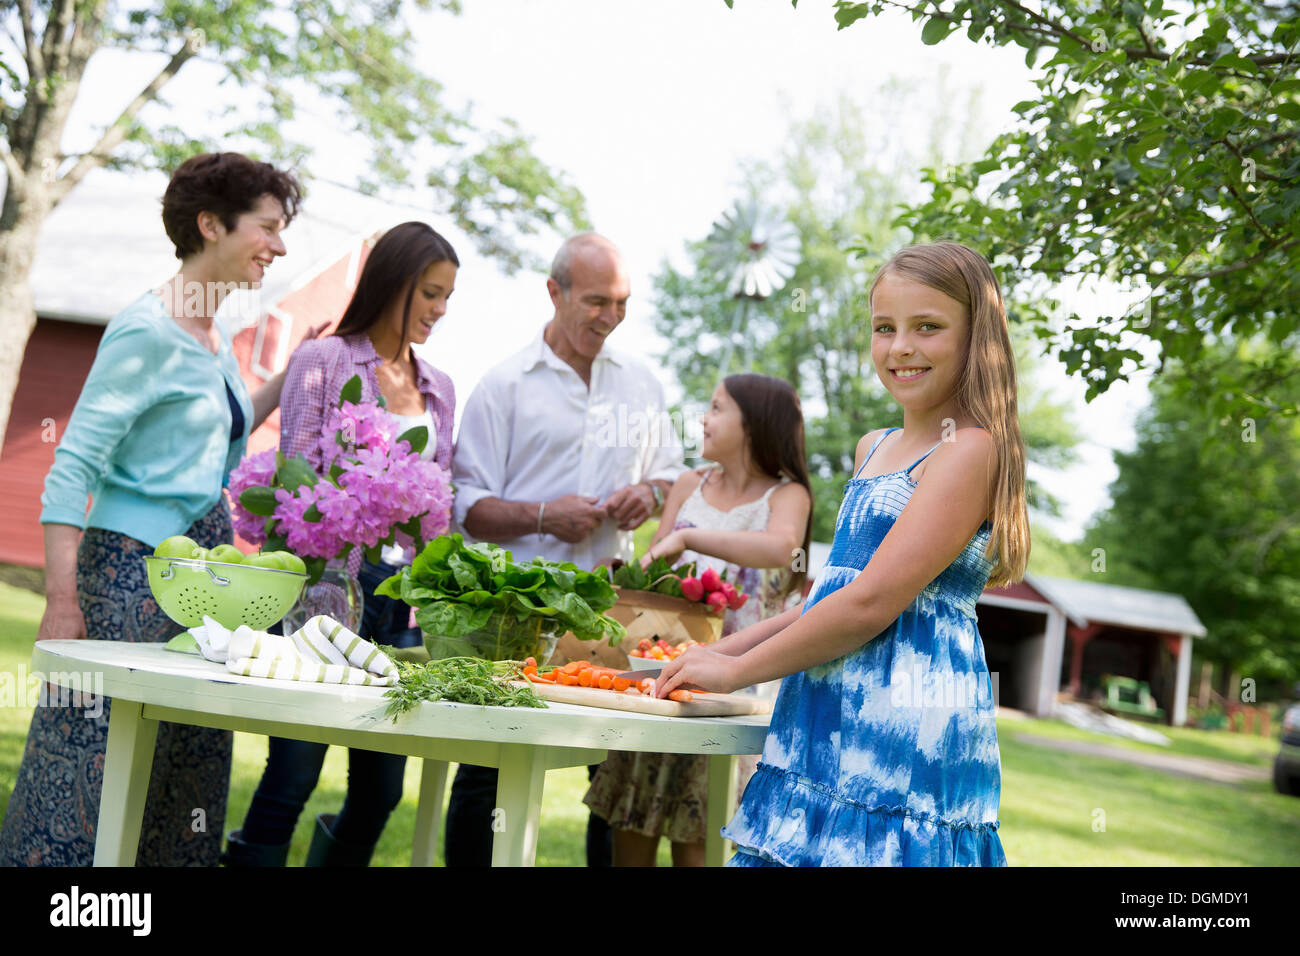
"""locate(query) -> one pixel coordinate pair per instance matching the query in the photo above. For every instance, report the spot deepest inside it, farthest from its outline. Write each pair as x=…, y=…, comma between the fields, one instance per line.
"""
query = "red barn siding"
x=1021, y=590
x=58, y=359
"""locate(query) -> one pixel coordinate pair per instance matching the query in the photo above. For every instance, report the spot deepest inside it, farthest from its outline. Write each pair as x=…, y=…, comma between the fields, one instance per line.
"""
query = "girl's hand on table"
x=62, y=620
x=669, y=546
x=700, y=668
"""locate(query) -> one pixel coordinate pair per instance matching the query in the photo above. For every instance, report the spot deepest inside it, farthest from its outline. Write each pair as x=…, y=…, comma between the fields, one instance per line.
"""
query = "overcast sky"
x=649, y=108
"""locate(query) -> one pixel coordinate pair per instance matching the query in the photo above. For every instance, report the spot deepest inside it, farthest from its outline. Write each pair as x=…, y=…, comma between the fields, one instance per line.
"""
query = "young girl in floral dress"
x=749, y=514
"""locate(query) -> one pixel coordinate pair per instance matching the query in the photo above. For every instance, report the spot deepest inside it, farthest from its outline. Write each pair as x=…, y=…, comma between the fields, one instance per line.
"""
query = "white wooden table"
x=148, y=684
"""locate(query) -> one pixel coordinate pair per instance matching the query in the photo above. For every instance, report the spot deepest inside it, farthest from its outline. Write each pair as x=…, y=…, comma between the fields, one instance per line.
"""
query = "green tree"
x=354, y=55
x=1056, y=558
x=1213, y=513
x=833, y=186
x=1162, y=150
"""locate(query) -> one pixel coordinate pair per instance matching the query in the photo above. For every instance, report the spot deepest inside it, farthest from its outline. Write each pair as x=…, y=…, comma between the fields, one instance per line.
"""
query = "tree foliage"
x=816, y=332
x=1163, y=151
x=356, y=56
x=1213, y=513
x=277, y=59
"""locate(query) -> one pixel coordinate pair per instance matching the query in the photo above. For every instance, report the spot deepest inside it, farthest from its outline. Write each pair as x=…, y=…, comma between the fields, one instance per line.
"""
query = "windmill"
x=755, y=252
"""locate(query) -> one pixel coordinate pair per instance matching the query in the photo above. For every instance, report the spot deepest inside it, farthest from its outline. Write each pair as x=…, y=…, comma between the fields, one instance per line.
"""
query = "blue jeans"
x=293, y=766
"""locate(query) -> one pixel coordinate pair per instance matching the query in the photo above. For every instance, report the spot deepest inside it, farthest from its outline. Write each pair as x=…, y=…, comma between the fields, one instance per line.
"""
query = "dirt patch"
x=30, y=579
x=1201, y=768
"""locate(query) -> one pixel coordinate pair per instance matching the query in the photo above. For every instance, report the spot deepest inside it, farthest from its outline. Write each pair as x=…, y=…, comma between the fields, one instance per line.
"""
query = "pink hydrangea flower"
x=254, y=470
x=354, y=427
x=381, y=484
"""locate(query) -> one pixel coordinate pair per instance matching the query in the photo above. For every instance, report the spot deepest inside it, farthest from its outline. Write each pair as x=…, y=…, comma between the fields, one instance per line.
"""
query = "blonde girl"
x=883, y=748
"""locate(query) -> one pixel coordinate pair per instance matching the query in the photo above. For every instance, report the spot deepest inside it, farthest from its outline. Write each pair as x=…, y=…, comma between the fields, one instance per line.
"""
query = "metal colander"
x=230, y=594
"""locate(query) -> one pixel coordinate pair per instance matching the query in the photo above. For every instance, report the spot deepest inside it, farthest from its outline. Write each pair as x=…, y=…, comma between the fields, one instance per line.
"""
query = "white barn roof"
x=104, y=244
x=1092, y=602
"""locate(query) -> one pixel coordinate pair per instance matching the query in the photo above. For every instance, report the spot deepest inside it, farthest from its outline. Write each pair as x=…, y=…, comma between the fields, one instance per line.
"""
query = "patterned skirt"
x=658, y=794
x=54, y=809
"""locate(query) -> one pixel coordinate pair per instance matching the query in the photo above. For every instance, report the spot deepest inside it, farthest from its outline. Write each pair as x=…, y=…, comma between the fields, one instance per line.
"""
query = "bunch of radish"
x=710, y=589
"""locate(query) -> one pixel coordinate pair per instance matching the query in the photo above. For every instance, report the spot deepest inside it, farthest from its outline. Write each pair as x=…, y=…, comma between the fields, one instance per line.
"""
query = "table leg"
x=127, y=763
x=721, y=806
x=519, y=805
x=428, y=815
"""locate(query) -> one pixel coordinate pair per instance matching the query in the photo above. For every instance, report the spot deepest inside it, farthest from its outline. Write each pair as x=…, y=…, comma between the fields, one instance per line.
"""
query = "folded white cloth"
x=321, y=651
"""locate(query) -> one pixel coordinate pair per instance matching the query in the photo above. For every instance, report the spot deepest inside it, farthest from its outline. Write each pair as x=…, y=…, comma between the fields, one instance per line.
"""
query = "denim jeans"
x=469, y=821
x=293, y=766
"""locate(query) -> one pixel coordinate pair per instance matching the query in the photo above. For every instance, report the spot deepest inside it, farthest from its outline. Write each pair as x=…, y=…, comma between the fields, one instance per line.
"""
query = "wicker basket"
x=644, y=614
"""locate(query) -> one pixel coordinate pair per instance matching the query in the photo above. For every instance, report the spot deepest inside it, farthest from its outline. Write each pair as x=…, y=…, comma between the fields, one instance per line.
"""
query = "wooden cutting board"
x=704, y=705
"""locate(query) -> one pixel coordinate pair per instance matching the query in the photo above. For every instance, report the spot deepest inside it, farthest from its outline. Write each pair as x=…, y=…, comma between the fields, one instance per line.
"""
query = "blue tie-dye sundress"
x=887, y=756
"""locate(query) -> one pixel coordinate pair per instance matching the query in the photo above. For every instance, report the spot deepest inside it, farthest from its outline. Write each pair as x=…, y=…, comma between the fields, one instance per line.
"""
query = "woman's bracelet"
x=541, y=510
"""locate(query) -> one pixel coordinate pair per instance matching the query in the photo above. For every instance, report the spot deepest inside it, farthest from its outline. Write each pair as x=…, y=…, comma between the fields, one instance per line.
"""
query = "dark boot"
x=327, y=851
x=239, y=853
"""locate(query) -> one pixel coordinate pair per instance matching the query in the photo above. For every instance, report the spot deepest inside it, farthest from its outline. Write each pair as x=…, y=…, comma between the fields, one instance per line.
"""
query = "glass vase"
x=501, y=638
x=337, y=594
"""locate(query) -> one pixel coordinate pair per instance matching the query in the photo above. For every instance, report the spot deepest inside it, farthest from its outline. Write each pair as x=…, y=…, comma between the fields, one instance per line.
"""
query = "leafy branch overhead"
x=1162, y=151
x=358, y=58
x=1221, y=529
x=837, y=180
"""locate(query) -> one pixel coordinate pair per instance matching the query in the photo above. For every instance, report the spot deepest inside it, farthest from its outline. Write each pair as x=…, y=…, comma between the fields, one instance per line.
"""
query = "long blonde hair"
x=987, y=388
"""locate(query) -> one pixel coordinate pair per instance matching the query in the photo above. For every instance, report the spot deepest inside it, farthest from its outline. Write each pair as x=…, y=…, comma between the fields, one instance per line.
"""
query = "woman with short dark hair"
x=161, y=419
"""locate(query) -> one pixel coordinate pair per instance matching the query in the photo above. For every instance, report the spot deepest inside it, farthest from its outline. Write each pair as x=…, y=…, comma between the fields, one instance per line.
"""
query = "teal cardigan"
x=149, y=438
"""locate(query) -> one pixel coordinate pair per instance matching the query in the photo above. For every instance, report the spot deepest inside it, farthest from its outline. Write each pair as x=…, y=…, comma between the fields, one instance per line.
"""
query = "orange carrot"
x=621, y=683
x=568, y=680
x=584, y=677
x=681, y=696
x=605, y=682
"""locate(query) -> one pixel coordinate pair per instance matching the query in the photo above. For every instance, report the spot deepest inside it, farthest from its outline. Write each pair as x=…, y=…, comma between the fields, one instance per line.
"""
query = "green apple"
x=226, y=554
x=177, y=546
x=292, y=562
x=268, y=560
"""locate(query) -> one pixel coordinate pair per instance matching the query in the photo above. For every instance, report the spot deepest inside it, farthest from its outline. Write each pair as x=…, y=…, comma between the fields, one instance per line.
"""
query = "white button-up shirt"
x=533, y=431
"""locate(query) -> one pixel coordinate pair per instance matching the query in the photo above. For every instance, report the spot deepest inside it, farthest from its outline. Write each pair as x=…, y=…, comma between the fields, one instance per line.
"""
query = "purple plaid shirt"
x=319, y=369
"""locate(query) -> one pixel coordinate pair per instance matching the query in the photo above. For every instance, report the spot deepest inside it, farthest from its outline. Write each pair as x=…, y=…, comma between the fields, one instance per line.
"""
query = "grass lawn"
x=1057, y=808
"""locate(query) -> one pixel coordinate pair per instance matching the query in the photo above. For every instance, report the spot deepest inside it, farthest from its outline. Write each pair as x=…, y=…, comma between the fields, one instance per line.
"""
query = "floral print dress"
x=664, y=794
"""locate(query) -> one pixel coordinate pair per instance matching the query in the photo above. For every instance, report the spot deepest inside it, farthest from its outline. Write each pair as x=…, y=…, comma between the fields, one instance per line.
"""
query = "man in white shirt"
x=564, y=449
